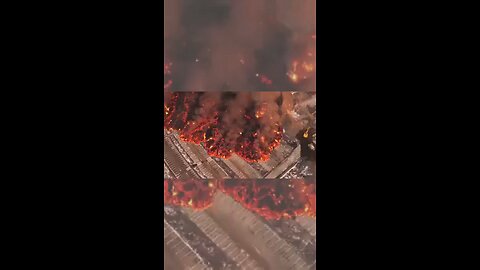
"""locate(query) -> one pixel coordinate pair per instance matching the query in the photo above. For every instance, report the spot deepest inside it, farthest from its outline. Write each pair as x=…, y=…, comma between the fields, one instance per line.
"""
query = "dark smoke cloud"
x=273, y=108
x=234, y=45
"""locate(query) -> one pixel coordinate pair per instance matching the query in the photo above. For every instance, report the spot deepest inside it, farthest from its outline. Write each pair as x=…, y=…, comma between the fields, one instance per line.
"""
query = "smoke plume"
x=231, y=45
x=250, y=124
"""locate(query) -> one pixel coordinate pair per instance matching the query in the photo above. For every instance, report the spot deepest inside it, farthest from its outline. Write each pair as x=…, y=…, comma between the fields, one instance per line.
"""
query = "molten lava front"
x=268, y=198
x=253, y=135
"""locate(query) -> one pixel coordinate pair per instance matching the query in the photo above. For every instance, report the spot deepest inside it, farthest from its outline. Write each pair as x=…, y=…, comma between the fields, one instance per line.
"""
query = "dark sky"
x=240, y=45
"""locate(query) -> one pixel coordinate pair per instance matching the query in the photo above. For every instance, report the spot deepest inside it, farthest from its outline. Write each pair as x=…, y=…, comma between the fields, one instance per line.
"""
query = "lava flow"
x=267, y=198
x=225, y=124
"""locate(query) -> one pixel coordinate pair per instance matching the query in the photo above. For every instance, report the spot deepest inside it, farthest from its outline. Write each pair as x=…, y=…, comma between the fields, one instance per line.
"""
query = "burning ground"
x=245, y=123
x=270, y=199
x=249, y=124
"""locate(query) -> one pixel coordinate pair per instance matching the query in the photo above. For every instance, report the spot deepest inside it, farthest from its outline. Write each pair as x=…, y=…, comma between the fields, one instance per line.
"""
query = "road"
x=227, y=236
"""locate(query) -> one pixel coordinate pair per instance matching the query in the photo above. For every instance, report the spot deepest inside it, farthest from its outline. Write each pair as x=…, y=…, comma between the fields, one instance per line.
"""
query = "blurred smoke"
x=235, y=45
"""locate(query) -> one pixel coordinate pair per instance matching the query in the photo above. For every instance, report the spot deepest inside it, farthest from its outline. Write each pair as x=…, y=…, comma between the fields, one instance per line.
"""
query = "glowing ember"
x=251, y=142
x=301, y=71
x=305, y=135
x=168, y=84
x=268, y=198
x=265, y=80
x=303, y=67
x=274, y=199
x=196, y=194
x=167, y=69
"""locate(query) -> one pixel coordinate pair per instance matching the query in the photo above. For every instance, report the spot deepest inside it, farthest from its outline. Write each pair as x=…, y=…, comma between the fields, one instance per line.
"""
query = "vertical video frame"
x=240, y=136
